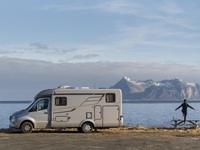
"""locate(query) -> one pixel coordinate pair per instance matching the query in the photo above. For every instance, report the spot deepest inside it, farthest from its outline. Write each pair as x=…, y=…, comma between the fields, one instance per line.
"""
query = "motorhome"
x=65, y=107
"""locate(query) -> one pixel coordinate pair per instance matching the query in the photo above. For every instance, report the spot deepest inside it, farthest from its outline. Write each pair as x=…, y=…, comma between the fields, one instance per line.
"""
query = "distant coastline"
x=9, y=102
x=124, y=101
x=153, y=101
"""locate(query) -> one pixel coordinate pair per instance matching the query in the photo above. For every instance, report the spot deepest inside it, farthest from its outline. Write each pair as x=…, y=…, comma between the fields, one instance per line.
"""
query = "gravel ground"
x=113, y=139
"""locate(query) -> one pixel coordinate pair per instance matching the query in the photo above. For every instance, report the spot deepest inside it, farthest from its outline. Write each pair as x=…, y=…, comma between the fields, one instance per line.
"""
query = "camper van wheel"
x=26, y=127
x=87, y=127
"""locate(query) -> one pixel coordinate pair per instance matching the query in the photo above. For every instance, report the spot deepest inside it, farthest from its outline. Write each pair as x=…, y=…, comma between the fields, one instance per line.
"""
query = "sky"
x=95, y=43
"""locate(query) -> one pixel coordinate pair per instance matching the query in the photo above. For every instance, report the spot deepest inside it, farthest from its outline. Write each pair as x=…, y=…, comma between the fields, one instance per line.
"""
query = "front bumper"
x=14, y=123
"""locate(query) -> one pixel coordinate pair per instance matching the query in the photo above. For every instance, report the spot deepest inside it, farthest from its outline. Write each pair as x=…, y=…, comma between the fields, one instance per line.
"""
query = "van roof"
x=50, y=92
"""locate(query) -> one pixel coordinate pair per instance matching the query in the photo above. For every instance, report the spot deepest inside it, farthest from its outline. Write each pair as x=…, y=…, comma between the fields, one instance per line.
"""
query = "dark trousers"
x=184, y=115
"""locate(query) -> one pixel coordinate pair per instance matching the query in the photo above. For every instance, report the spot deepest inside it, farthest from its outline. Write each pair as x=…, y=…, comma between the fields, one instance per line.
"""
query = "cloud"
x=38, y=51
x=88, y=56
x=27, y=77
x=155, y=35
x=113, y=6
x=153, y=10
x=39, y=46
x=163, y=23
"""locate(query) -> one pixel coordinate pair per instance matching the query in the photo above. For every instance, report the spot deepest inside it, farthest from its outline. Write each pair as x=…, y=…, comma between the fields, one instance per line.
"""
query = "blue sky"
x=96, y=42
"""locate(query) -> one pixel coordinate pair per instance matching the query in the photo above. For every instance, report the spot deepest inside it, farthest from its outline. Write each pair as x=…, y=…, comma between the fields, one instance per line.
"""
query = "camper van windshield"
x=30, y=105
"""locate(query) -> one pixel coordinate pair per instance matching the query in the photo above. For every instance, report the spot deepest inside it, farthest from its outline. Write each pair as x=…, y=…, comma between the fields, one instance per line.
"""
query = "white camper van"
x=84, y=109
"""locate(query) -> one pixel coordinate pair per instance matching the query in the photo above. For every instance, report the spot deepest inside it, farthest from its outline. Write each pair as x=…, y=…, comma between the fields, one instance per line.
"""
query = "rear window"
x=110, y=98
x=60, y=101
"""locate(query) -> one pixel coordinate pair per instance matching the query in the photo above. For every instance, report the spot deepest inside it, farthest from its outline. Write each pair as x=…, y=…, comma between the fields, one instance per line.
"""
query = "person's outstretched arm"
x=178, y=107
x=190, y=106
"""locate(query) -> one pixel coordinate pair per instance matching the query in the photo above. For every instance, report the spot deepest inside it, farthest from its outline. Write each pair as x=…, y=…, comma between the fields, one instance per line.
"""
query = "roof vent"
x=65, y=87
x=84, y=88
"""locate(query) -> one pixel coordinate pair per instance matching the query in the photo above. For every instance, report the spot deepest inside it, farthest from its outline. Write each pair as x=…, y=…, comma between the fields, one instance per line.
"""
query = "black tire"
x=87, y=127
x=26, y=127
x=79, y=129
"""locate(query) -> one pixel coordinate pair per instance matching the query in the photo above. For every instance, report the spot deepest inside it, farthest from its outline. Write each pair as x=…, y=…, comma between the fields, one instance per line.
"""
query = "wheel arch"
x=27, y=121
x=87, y=120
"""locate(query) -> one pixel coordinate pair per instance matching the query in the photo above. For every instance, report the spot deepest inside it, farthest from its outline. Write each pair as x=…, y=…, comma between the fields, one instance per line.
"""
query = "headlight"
x=12, y=118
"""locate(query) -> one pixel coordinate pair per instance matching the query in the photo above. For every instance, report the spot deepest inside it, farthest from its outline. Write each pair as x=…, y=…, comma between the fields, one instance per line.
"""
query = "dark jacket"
x=184, y=107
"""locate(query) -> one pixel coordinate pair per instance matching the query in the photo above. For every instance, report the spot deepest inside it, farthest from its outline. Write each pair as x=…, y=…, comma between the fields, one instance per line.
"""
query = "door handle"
x=45, y=113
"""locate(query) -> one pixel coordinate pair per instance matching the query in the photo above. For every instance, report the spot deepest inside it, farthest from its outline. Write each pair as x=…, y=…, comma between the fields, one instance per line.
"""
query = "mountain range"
x=165, y=90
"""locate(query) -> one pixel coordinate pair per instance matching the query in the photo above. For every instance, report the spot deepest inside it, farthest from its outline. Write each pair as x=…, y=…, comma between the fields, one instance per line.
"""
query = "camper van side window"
x=110, y=98
x=60, y=101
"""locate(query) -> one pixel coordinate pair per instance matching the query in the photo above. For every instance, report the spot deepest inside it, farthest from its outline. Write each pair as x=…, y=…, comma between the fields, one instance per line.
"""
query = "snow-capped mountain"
x=165, y=90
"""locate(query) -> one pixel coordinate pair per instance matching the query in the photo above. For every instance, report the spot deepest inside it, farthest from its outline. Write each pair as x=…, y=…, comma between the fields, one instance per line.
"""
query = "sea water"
x=157, y=114
x=144, y=114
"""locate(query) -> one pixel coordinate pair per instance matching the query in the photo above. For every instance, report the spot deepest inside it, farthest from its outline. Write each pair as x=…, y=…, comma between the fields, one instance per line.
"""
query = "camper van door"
x=59, y=115
x=111, y=116
x=39, y=112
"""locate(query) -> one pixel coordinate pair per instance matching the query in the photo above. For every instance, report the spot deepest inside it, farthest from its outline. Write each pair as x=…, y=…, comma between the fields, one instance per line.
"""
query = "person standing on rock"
x=184, y=106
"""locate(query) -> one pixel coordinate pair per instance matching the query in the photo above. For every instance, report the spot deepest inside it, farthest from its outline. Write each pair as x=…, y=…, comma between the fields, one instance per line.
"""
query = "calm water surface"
x=145, y=114
x=156, y=114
